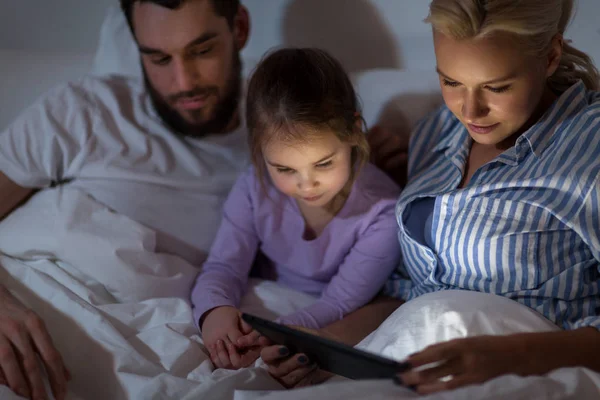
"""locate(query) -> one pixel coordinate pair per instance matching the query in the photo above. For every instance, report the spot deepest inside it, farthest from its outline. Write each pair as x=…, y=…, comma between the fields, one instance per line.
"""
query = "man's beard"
x=223, y=112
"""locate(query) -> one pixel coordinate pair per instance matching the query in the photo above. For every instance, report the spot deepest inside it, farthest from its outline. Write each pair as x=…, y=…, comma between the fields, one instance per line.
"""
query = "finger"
x=245, y=327
x=53, y=362
x=435, y=353
x=294, y=378
x=212, y=354
x=9, y=363
x=248, y=340
x=217, y=362
x=286, y=367
x=452, y=384
x=452, y=367
x=431, y=375
x=249, y=357
x=274, y=354
x=223, y=355
x=234, y=356
x=234, y=335
x=263, y=341
x=214, y=357
x=30, y=365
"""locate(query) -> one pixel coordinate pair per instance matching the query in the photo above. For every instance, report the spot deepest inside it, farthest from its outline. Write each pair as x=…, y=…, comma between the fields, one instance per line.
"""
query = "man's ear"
x=241, y=27
x=555, y=54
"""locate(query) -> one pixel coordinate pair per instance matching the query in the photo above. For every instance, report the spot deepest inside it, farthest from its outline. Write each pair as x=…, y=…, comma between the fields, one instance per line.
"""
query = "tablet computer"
x=329, y=355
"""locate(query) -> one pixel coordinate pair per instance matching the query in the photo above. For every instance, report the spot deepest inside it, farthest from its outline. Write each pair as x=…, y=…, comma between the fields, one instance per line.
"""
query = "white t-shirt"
x=104, y=137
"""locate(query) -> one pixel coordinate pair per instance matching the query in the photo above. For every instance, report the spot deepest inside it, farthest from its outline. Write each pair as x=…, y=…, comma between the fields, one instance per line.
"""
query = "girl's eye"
x=450, y=83
x=285, y=170
x=500, y=89
x=324, y=164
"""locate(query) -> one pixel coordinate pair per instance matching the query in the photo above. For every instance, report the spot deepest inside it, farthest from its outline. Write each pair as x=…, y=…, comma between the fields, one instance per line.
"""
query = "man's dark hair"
x=223, y=8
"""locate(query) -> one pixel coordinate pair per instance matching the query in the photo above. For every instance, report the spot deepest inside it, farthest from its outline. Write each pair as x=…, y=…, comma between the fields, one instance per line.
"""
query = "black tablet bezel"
x=329, y=355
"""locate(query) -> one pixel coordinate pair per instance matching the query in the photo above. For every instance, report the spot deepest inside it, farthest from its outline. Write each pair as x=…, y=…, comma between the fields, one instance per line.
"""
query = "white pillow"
x=117, y=52
x=450, y=314
x=26, y=74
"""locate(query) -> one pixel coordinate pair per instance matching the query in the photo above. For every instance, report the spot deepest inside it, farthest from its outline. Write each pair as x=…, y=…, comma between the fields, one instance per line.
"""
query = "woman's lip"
x=480, y=129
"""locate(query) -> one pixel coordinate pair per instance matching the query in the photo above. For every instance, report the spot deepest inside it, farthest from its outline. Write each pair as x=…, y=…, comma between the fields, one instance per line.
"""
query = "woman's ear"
x=555, y=54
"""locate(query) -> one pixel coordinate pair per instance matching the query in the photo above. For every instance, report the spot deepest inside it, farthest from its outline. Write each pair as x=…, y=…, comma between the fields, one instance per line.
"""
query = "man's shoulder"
x=94, y=89
x=110, y=88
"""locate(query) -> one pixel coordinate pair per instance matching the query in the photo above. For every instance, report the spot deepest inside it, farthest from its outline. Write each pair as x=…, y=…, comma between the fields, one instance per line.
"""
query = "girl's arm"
x=224, y=275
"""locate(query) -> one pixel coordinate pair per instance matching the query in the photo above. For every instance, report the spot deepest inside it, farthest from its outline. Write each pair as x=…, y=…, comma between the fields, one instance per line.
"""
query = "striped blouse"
x=527, y=226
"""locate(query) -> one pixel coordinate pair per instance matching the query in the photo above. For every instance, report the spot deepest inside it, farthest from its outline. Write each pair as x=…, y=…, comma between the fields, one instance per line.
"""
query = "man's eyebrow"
x=502, y=79
x=205, y=37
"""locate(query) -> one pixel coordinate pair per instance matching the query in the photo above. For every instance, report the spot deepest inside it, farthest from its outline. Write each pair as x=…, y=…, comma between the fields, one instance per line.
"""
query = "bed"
x=118, y=310
x=119, y=314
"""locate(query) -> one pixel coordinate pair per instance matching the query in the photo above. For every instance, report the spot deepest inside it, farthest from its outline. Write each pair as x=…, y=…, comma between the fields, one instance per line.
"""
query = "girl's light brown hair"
x=298, y=92
x=534, y=22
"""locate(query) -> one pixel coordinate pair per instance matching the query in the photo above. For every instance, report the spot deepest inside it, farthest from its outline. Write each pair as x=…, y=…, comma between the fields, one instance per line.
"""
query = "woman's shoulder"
x=577, y=126
x=592, y=108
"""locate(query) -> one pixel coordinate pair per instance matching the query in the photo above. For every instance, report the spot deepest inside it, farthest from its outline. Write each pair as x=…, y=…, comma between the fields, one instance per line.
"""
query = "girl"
x=506, y=177
x=322, y=216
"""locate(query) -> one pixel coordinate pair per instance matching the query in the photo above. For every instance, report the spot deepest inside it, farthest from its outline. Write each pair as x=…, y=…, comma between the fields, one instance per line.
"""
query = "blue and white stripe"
x=527, y=226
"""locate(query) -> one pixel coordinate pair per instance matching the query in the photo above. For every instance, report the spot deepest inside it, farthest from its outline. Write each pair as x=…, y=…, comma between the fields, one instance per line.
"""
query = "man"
x=164, y=153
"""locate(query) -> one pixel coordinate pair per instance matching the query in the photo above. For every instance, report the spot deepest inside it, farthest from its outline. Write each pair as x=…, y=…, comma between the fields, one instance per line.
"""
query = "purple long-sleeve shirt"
x=346, y=265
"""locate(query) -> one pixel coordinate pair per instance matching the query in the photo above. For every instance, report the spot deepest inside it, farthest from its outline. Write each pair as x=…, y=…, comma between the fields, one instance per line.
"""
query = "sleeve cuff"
x=398, y=288
x=200, y=310
x=588, y=322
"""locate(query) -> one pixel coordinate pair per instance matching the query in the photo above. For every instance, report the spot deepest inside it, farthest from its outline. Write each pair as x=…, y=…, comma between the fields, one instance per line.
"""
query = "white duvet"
x=119, y=314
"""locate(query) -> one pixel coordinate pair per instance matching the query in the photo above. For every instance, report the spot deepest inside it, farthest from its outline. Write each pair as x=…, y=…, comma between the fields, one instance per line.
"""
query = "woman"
x=507, y=177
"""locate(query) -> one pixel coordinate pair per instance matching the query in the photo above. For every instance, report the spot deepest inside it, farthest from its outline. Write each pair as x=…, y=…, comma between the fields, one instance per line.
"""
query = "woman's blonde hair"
x=535, y=22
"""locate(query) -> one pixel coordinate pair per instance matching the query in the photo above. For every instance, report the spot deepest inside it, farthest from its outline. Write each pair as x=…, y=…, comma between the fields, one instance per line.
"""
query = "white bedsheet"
x=119, y=314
